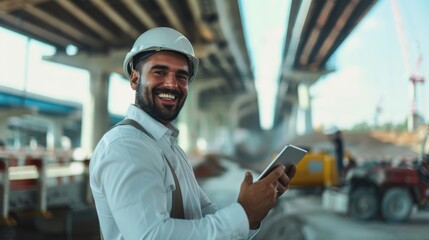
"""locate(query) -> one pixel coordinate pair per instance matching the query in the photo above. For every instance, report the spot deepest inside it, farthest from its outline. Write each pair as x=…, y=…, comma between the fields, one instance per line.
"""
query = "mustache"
x=169, y=91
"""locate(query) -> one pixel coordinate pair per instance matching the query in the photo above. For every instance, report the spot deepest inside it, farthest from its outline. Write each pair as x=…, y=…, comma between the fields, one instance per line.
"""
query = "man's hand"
x=284, y=180
x=257, y=198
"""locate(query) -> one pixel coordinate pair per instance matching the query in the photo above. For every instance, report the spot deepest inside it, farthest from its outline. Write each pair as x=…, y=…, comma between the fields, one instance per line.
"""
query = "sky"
x=369, y=68
x=41, y=77
x=264, y=24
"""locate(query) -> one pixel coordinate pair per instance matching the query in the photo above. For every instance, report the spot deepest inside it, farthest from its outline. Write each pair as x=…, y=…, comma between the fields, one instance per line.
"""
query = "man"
x=135, y=174
x=336, y=138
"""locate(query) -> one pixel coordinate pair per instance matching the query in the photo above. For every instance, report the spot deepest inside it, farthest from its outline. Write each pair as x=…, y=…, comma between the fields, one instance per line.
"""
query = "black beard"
x=148, y=105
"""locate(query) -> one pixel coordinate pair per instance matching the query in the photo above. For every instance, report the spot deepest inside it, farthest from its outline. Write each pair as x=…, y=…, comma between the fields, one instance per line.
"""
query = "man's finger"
x=280, y=190
x=284, y=180
x=274, y=175
x=248, y=179
x=291, y=171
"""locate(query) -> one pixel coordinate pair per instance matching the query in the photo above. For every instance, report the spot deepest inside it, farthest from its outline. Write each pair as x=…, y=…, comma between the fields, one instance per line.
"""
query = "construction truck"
x=383, y=190
x=318, y=169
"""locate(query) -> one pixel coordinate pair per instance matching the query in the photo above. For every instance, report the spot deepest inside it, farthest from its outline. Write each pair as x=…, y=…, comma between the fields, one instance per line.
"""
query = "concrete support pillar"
x=95, y=114
x=204, y=131
x=305, y=106
x=236, y=106
x=3, y=127
x=223, y=134
x=188, y=122
x=95, y=119
x=236, y=112
x=305, y=79
x=308, y=120
x=205, y=126
x=190, y=116
x=214, y=130
x=291, y=122
x=54, y=134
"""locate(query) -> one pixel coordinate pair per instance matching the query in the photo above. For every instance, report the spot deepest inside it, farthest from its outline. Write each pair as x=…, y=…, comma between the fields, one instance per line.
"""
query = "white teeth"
x=165, y=95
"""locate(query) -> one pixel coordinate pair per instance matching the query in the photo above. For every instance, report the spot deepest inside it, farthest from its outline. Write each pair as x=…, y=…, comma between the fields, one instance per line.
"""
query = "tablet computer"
x=289, y=155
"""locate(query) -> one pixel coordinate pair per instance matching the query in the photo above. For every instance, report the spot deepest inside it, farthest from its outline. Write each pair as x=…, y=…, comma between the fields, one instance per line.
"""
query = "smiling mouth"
x=167, y=96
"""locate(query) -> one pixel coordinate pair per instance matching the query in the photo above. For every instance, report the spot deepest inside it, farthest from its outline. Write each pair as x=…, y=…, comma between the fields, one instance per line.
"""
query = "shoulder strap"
x=177, y=201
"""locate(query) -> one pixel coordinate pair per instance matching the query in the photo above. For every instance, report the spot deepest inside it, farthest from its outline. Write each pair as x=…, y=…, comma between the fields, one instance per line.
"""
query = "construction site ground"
x=302, y=215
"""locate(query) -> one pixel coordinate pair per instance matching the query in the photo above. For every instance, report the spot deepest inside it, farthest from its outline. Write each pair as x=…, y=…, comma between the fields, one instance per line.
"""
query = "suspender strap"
x=177, y=202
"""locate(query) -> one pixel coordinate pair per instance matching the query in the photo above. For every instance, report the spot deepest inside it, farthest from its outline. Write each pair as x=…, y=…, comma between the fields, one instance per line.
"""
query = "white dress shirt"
x=132, y=187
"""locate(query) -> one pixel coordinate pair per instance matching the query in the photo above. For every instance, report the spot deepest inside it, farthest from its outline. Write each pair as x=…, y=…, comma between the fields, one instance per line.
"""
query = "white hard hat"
x=162, y=39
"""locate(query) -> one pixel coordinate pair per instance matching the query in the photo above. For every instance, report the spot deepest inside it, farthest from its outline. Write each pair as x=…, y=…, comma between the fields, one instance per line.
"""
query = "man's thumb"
x=248, y=178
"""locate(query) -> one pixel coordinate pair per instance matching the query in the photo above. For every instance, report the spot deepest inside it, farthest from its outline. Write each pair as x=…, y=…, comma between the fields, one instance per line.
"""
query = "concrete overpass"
x=223, y=101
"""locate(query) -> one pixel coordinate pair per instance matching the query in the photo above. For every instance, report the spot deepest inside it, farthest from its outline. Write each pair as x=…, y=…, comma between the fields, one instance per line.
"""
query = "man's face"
x=161, y=85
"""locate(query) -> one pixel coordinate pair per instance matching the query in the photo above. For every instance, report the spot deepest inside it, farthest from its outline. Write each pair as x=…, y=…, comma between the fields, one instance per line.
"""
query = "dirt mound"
x=375, y=145
x=412, y=140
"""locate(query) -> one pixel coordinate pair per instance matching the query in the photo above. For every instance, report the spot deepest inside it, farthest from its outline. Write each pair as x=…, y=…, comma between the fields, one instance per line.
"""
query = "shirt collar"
x=154, y=127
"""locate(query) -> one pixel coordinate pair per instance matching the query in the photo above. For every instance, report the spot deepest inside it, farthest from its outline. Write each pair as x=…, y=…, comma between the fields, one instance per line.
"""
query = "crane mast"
x=415, y=77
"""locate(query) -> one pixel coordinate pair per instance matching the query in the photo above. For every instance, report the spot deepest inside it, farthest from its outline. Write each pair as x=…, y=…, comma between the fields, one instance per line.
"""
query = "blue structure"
x=13, y=98
x=25, y=116
x=43, y=105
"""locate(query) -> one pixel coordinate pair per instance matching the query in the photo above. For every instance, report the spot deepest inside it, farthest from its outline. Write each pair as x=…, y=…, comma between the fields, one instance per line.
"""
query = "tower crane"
x=415, y=77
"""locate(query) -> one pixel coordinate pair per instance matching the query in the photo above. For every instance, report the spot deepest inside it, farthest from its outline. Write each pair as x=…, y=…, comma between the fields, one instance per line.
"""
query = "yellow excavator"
x=316, y=169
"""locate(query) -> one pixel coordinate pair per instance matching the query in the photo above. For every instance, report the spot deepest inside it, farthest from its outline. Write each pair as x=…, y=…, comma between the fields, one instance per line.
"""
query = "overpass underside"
x=221, y=113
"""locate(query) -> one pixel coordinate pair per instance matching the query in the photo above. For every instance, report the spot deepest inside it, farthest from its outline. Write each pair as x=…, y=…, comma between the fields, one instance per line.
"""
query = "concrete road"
x=318, y=223
x=301, y=216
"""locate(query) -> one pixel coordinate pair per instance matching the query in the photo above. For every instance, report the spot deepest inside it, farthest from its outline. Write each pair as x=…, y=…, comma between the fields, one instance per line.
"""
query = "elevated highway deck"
x=224, y=97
